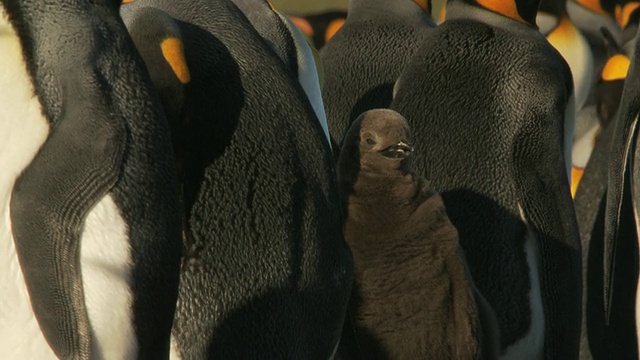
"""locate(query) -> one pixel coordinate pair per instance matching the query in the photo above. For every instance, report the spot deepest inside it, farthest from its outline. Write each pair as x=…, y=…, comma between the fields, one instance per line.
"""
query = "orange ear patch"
x=623, y=13
x=616, y=68
x=507, y=8
x=173, y=52
x=303, y=25
x=593, y=5
x=424, y=4
x=127, y=1
x=333, y=28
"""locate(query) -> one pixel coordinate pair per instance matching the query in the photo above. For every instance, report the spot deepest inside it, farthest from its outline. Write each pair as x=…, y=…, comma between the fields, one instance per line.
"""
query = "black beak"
x=397, y=151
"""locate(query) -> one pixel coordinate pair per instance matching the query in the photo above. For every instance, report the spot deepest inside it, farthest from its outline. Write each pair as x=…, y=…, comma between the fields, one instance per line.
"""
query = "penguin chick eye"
x=370, y=141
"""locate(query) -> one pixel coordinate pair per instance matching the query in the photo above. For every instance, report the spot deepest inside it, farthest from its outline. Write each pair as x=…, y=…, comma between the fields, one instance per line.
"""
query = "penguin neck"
x=389, y=193
x=595, y=6
x=367, y=9
x=555, y=8
x=457, y=10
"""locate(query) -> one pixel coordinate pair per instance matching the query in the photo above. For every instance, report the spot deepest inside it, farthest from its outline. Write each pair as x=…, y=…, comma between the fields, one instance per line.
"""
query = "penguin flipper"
x=547, y=208
x=75, y=168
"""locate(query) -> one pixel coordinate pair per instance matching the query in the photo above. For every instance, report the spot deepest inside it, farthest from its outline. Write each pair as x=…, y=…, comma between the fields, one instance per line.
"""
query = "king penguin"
x=292, y=47
x=615, y=339
x=266, y=271
x=489, y=99
x=590, y=16
x=620, y=239
x=90, y=231
x=628, y=16
x=365, y=57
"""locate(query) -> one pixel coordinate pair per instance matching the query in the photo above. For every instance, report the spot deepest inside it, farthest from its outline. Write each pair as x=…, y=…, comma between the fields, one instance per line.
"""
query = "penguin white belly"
x=105, y=254
x=174, y=354
x=105, y=258
x=531, y=347
x=23, y=130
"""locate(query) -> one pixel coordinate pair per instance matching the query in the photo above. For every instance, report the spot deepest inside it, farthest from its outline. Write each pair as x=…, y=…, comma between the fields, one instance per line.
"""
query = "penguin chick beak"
x=400, y=150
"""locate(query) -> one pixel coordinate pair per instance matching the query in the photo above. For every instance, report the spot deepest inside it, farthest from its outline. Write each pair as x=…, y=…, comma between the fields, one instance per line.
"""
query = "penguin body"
x=621, y=213
x=365, y=57
x=265, y=260
x=413, y=295
x=90, y=232
x=492, y=126
x=292, y=47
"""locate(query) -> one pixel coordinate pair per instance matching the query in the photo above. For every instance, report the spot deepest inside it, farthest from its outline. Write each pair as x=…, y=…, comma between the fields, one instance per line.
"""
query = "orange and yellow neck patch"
x=507, y=8
x=623, y=13
x=616, y=68
x=593, y=5
x=333, y=28
x=424, y=4
x=576, y=176
x=173, y=52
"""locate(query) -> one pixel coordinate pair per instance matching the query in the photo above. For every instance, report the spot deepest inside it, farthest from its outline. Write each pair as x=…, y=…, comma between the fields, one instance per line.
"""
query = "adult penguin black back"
x=622, y=207
x=266, y=273
x=90, y=232
x=363, y=60
x=488, y=97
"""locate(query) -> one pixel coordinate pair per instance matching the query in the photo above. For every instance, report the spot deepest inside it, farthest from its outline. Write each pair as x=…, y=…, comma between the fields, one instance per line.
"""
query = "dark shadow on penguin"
x=413, y=296
x=264, y=254
x=94, y=214
x=493, y=126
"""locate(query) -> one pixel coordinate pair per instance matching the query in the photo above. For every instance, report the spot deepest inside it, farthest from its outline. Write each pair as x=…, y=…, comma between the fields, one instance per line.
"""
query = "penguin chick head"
x=382, y=141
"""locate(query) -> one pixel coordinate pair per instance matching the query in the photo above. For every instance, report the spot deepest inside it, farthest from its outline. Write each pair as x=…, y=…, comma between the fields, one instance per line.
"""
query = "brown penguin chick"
x=414, y=296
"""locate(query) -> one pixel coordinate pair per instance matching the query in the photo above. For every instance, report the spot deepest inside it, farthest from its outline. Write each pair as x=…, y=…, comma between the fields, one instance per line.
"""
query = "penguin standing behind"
x=593, y=119
x=89, y=208
x=590, y=16
x=628, y=16
x=292, y=47
x=365, y=57
x=414, y=297
x=488, y=97
x=266, y=271
x=560, y=31
x=621, y=227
